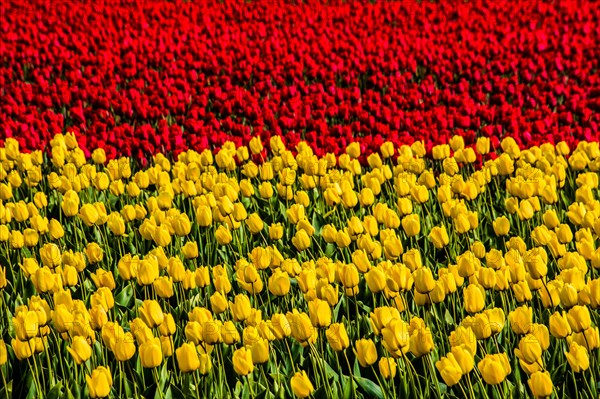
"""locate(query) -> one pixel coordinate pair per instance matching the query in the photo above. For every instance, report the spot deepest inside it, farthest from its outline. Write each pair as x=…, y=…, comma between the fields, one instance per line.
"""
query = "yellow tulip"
x=280, y=326
x=116, y=224
x=151, y=313
x=187, y=358
x=211, y=332
x=161, y=236
x=301, y=326
x=579, y=318
x=387, y=367
x=100, y=382
x=255, y=223
x=218, y=302
x=463, y=356
x=279, y=283
x=23, y=349
x=223, y=235
x=494, y=368
x=89, y=214
x=190, y=250
x=520, y=320
x=80, y=350
x=276, y=231
x=320, y=313
x=123, y=347
x=337, y=337
x=70, y=203
x=421, y=342
x=589, y=338
x=26, y=324
x=103, y=297
x=501, y=226
x=242, y=361
x=366, y=352
x=229, y=333
x=396, y=338
x=424, y=282
x=50, y=255
x=474, y=298
x=464, y=336
x=151, y=353
x=3, y=353
x=376, y=280
x=439, y=237
x=204, y=216
x=94, y=253
x=301, y=385
x=540, y=384
x=449, y=369
x=529, y=349
x=260, y=351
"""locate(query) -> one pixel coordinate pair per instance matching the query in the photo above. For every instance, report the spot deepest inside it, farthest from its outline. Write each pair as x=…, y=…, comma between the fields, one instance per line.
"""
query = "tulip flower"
x=151, y=353
x=366, y=352
x=80, y=350
x=337, y=337
x=540, y=384
x=242, y=361
x=494, y=368
x=301, y=385
x=449, y=369
x=187, y=358
x=99, y=383
x=387, y=367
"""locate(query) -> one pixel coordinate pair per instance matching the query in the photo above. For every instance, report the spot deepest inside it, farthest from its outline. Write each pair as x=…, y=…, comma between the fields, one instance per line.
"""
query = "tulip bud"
x=439, y=237
x=387, y=367
x=494, y=368
x=223, y=235
x=301, y=385
x=366, y=352
x=242, y=361
x=151, y=353
x=424, y=281
x=449, y=369
x=99, y=383
x=80, y=350
x=187, y=358
x=151, y=313
x=3, y=353
x=579, y=318
x=578, y=357
x=520, y=320
x=540, y=384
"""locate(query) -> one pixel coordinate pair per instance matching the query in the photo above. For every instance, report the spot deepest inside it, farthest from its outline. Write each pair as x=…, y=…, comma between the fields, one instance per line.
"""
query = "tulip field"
x=265, y=199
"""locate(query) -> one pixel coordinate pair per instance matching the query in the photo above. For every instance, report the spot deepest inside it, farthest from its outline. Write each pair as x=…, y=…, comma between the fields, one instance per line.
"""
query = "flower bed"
x=145, y=77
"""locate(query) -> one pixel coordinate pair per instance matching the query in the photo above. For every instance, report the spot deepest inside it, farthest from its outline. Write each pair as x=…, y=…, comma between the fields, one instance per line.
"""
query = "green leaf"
x=356, y=367
x=69, y=394
x=330, y=250
x=448, y=318
x=246, y=391
x=337, y=308
x=370, y=388
x=330, y=372
x=322, y=393
x=238, y=389
x=318, y=222
x=164, y=376
x=125, y=297
x=177, y=393
x=347, y=387
x=55, y=392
